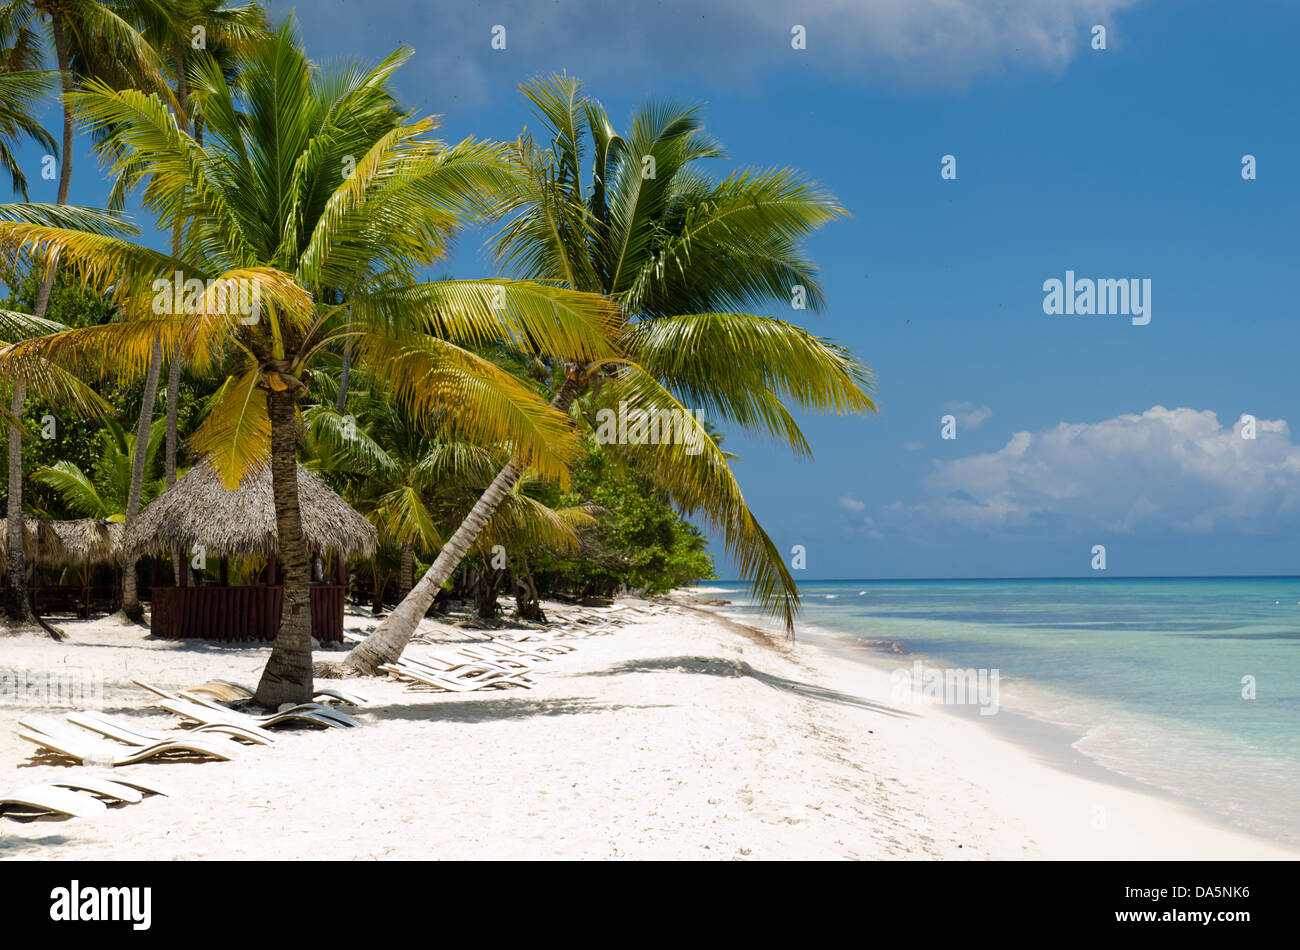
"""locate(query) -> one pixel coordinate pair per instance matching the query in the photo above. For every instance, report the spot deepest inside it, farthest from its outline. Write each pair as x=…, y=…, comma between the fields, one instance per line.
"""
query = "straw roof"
x=39, y=539
x=87, y=541
x=198, y=510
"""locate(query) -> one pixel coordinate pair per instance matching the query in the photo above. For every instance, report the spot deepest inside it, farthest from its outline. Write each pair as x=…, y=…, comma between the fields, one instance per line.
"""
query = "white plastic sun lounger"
x=43, y=801
x=148, y=786
x=490, y=648
x=204, y=714
x=542, y=644
x=223, y=692
x=83, y=747
x=103, y=787
x=456, y=667
x=313, y=710
x=425, y=677
x=308, y=712
x=130, y=733
x=343, y=695
x=236, y=692
x=466, y=684
x=513, y=661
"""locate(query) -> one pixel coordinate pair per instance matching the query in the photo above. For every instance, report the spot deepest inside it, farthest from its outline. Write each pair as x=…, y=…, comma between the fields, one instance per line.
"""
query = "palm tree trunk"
x=18, y=609
x=173, y=411
x=488, y=583
x=406, y=572
x=389, y=639
x=288, y=674
x=132, y=610
x=175, y=364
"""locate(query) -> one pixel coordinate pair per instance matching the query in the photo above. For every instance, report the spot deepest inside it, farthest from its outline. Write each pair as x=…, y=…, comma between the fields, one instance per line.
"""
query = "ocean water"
x=1150, y=673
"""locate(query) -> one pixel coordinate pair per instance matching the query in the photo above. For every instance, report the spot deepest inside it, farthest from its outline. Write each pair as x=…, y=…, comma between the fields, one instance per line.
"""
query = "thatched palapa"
x=49, y=543
x=39, y=539
x=87, y=542
x=198, y=510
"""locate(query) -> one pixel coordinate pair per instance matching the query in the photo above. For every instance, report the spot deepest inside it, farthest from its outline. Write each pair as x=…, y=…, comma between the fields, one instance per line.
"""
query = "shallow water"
x=1150, y=672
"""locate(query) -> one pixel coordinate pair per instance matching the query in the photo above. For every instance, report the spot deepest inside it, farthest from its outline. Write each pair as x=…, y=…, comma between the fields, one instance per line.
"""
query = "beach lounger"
x=540, y=651
x=456, y=667
x=424, y=677
x=454, y=664
x=105, y=788
x=148, y=786
x=536, y=642
x=342, y=695
x=202, y=714
x=311, y=710
x=315, y=713
x=45, y=801
x=513, y=661
x=132, y=733
x=223, y=692
x=84, y=747
x=228, y=692
x=467, y=684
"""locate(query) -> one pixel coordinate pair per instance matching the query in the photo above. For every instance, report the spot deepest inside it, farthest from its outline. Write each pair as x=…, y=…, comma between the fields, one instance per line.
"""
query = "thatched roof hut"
x=87, y=541
x=40, y=541
x=49, y=543
x=198, y=510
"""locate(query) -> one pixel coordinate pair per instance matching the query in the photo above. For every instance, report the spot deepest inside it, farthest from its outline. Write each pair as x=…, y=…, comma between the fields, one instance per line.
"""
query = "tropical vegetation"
x=303, y=209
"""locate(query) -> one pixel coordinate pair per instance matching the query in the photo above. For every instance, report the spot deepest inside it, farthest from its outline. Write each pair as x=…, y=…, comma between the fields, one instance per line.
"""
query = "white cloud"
x=916, y=43
x=850, y=503
x=1165, y=469
x=968, y=415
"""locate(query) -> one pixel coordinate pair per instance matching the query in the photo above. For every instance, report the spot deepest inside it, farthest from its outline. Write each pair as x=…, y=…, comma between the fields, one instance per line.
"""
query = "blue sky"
x=1124, y=163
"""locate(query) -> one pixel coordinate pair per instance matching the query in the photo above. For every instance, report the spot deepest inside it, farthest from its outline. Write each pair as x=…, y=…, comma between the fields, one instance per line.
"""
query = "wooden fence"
x=240, y=614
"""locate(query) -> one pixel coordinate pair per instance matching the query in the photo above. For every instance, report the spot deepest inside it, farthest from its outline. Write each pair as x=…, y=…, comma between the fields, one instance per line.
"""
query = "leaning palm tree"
x=683, y=256
x=310, y=180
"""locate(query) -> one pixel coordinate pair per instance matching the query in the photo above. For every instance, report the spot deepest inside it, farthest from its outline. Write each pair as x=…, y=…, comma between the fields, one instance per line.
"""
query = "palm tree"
x=103, y=493
x=22, y=85
x=30, y=373
x=89, y=38
x=683, y=256
x=311, y=181
x=414, y=484
x=392, y=461
x=170, y=29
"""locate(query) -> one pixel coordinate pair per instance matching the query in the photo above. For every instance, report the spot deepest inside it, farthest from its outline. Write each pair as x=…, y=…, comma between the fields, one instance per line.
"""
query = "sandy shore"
x=686, y=736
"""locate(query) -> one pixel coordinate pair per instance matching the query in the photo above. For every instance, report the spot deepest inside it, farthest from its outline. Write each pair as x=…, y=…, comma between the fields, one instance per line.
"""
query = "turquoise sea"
x=1150, y=673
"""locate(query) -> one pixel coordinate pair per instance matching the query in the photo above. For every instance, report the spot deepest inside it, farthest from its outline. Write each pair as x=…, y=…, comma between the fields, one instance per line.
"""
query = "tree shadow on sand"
x=494, y=710
x=12, y=847
x=712, y=666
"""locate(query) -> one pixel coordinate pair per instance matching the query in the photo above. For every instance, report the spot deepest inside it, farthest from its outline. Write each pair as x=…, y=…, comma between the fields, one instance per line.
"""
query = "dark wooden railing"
x=240, y=614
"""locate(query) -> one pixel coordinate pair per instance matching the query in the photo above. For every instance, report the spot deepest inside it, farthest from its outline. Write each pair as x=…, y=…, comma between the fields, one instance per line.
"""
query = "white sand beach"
x=685, y=736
